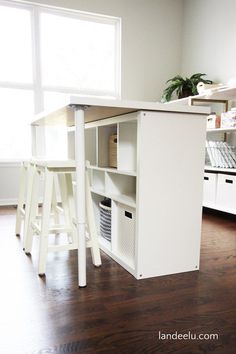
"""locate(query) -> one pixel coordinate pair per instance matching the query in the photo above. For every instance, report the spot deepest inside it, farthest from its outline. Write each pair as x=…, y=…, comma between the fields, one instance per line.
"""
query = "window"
x=47, y=54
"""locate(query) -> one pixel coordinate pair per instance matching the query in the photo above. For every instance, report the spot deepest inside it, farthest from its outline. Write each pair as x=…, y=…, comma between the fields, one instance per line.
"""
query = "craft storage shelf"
x=216, y=190
x=152, y=229
x=219, y=183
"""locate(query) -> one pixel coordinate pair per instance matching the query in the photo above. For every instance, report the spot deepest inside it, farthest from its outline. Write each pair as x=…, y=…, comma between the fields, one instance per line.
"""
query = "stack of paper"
x=220, y=154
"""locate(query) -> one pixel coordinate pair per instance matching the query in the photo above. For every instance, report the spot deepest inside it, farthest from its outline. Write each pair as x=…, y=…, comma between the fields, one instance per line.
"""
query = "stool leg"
x=95, y=251
x=54, y=202
x=71, y=205
x=47, y=199
x=33, y=205
x=21, y=199
x=64, y=201
x=30, y=178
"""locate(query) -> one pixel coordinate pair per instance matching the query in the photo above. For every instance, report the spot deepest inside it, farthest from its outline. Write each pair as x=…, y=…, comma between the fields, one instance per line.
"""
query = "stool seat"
x=55, y=163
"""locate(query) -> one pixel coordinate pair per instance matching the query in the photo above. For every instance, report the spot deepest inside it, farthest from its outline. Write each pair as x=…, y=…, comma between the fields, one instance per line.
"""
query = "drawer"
x=209, y=188
x=226, y=192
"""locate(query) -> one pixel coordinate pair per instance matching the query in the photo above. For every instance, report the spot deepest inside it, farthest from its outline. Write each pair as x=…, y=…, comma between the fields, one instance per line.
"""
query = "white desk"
x=79, y=111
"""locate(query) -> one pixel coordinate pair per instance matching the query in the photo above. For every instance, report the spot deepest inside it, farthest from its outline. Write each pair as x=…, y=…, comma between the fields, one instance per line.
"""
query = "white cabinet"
x=218, y=194
x=155, y=191
x=219, y=183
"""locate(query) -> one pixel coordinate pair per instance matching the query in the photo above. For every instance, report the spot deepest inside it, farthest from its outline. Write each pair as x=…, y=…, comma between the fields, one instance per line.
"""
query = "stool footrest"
x=59, y=248
x=67, y=247
x=59, y=209
x=56, y=229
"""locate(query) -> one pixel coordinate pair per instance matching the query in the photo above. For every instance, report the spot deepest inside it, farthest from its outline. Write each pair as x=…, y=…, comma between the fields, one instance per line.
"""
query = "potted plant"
x=183, y=87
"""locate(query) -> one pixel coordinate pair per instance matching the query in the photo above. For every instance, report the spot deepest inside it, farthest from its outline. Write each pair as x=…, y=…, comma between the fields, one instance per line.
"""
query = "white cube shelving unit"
x=155, y=191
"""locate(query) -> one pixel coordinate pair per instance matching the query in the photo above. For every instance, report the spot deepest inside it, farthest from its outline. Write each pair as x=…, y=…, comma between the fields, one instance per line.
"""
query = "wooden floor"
x=117, y=314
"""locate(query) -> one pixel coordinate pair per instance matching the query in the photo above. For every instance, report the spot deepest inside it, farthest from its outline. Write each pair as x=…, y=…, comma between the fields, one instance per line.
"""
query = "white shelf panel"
x=222, y=130
x=113, y=170
x=104, y=244
x=124, y=199
x=129, y=266
x=218, y=169
x=224, y=93
x=128, y=262
x=121, y=198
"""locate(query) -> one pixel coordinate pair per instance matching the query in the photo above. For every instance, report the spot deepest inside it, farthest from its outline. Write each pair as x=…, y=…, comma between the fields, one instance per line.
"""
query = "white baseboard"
x=4, y=202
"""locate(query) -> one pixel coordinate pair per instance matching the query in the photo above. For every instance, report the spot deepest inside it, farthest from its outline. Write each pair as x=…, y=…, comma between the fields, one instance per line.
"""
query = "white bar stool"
x=63, y=170
x=21, y=212
x=24, y=198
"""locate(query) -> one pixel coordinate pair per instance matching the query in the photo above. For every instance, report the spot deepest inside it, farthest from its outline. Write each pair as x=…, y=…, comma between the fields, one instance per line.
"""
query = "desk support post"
x=80, y=193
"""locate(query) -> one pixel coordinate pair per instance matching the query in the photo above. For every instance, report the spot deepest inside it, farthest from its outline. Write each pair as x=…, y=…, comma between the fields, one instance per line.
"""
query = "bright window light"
x=16, y=110
x=77, y=53
x=52, y=100
x=46, y=55
x=15, y=45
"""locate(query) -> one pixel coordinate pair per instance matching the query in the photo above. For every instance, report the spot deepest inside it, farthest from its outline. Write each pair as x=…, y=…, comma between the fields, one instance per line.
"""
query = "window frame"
x=36, y=86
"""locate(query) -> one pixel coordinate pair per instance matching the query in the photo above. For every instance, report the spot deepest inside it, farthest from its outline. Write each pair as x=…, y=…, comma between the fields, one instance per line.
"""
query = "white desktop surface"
x=98, y=108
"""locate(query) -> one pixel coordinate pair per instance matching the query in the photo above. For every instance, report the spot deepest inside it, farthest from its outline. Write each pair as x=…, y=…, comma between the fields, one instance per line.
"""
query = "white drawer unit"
x=209, y=189
x=155, y=190
x=226, y=193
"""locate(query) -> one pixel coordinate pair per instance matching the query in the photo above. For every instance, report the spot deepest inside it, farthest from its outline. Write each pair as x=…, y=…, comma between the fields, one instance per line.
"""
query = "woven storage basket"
x=113, y=150
x=105, y=219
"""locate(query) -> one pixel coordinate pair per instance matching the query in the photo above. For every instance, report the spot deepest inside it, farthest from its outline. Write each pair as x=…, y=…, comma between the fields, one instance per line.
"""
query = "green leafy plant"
x=183, y=87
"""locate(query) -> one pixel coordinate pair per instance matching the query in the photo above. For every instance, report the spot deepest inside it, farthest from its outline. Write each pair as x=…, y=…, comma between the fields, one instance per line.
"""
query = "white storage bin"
x=209, y=188
x=124, y=246
x=226, y=192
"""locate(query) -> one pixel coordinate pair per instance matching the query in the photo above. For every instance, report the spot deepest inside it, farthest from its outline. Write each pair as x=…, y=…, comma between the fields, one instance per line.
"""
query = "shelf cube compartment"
x=91, y=145
x=97, y=180
x=123, y=185
x=127, y=148
x=104, y=135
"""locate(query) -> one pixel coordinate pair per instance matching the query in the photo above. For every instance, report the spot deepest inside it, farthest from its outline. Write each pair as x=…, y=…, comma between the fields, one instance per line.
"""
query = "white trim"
x=72, y=91
x=59, y=8
x=10, y=163
x=36, y=59
x=16, y=85
x=10, y=201
x=118, y=58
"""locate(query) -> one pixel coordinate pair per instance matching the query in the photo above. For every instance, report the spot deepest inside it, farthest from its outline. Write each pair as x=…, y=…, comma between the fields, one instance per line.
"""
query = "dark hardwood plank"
x=116, y=313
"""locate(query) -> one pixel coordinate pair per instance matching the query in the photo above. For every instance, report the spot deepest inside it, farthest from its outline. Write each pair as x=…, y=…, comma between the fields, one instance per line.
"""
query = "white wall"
x=209, y=34
x=9, y=179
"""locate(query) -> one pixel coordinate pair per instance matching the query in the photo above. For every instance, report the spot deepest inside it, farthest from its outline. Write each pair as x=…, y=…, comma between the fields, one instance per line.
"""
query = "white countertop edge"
x=114, y=103
x=136, y=105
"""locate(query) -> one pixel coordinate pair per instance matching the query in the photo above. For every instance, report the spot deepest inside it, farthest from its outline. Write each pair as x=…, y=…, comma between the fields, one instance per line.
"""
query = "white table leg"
x=80, y=193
